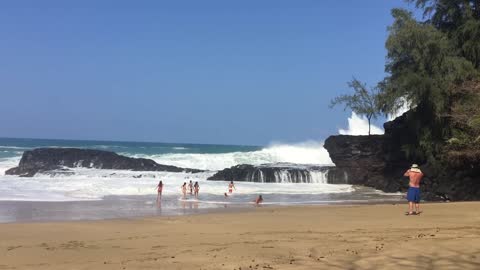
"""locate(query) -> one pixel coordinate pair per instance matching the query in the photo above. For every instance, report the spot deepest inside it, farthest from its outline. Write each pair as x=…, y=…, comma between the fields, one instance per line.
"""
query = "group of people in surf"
x=195, y=188
x=414, y=174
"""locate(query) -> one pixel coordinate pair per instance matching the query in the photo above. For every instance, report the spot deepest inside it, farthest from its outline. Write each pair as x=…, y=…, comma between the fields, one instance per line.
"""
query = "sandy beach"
x=444, y=236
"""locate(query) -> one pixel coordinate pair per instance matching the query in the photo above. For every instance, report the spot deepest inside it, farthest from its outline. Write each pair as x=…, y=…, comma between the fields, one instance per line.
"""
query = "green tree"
x=459, y=19
x=422, y=64
x=362, y=102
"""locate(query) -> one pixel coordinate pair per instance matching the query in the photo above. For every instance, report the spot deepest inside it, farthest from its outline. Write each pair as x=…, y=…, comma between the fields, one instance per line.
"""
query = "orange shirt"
x=415, y=178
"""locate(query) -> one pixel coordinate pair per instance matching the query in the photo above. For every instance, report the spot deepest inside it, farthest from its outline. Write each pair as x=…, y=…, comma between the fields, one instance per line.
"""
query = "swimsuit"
x=413, y=194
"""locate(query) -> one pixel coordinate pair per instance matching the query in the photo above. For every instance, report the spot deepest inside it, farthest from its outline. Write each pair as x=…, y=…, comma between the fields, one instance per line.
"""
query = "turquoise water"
x=11, y=147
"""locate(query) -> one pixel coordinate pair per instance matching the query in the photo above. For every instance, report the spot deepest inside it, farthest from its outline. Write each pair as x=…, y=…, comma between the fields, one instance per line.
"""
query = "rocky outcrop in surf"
x=281, y=173
x=379, y=161
x=365, y=162
x=50, y=159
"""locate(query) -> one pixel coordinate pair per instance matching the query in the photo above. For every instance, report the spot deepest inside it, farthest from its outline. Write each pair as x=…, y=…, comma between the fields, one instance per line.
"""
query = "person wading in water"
x=231, y=187
x=159, y=190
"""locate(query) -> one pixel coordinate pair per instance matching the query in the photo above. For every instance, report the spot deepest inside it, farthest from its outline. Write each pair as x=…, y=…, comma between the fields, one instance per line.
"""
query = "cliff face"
x=47, y=159
x=362, y=157
x=378, y=161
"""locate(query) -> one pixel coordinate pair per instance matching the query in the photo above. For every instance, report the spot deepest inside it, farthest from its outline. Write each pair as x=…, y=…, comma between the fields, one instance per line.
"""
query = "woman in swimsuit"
x=159, y=190
x=184, y=190
x=197, y=188
x=231, y=187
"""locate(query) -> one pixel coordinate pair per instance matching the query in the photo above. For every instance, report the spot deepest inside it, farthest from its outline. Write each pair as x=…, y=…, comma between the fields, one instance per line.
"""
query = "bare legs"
x=410, y=208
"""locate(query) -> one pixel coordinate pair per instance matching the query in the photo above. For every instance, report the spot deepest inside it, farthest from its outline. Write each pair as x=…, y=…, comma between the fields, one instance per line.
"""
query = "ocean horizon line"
x=127, y=141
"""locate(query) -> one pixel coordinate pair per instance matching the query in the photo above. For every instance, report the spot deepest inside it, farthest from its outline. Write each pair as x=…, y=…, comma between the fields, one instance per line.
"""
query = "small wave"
x=14, y=147
x=108, y=146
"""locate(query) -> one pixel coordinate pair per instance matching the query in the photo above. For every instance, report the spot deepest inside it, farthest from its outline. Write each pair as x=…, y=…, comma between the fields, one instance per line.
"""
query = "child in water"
x=231, y=187
x=159, y=190
x=259, y=200
x=197, y=188
x=190, y=187
x=184, y=190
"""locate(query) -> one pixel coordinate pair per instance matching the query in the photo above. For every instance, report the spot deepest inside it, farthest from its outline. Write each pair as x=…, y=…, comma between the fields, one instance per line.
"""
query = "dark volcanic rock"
x=364, y=160
x=379, y=161
x=280, y=173
x=47, y=159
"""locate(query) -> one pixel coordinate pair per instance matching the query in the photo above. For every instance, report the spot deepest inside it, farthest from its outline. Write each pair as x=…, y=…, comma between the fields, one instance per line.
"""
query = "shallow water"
x=111, y=207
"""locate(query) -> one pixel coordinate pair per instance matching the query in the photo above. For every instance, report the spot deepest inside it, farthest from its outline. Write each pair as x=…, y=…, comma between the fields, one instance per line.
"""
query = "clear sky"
x=232, y=72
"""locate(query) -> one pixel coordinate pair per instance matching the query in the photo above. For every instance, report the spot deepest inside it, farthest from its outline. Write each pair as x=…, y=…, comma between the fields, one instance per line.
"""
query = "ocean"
x=98, y=194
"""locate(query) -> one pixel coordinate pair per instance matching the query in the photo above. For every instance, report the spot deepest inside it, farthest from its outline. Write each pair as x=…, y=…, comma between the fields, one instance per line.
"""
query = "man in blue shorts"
x=413, y=195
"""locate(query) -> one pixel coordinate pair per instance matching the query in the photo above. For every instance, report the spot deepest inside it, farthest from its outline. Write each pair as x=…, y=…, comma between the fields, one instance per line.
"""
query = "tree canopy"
x=428, y=61
x=423, y=65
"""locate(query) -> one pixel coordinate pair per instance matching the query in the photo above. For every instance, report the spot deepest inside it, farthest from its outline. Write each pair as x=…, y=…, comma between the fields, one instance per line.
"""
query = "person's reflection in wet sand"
x=184, y=205
x=159, y=207
x=195, y=206
x=225, y=196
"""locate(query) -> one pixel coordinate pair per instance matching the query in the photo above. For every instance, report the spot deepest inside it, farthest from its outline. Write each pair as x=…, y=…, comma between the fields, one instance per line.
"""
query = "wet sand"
x=444, y=236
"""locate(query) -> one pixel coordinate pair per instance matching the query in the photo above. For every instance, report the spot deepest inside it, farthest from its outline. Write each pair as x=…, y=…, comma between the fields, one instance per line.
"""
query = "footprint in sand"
x=13, y=247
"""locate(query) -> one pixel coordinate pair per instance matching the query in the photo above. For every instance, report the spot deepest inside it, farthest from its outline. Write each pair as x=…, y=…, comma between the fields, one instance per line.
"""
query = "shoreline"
x=138, y=207
x=444, y=236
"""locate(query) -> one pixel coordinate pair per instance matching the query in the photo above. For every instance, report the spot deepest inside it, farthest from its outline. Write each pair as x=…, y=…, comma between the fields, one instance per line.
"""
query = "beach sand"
x=444, y=236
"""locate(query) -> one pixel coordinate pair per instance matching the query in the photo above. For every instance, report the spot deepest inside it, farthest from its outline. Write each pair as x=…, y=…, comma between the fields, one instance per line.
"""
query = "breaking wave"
x=302, y=153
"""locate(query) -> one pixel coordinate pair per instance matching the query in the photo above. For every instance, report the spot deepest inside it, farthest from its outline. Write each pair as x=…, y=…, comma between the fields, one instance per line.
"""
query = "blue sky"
x=231, y=72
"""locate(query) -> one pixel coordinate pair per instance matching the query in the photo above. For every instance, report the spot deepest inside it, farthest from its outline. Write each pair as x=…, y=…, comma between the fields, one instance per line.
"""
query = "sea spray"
x=302, y=153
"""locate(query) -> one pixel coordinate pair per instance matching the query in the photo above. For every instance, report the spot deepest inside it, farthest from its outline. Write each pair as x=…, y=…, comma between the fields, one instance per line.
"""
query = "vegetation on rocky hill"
x=434, y=64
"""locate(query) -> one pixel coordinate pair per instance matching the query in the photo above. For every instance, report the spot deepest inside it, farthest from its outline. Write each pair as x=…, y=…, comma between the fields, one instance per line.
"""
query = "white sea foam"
x=406, y=105
x=93, y=184
x=310, y=152
x=359, y=126
x=7, y=163
x=87, y=184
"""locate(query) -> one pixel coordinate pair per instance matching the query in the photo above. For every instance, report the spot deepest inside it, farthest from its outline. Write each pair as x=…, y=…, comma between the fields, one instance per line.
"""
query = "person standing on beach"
x=231, y=187
x=413, y=195
x=159, y=190
x=184, y=190
x=197, y=188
